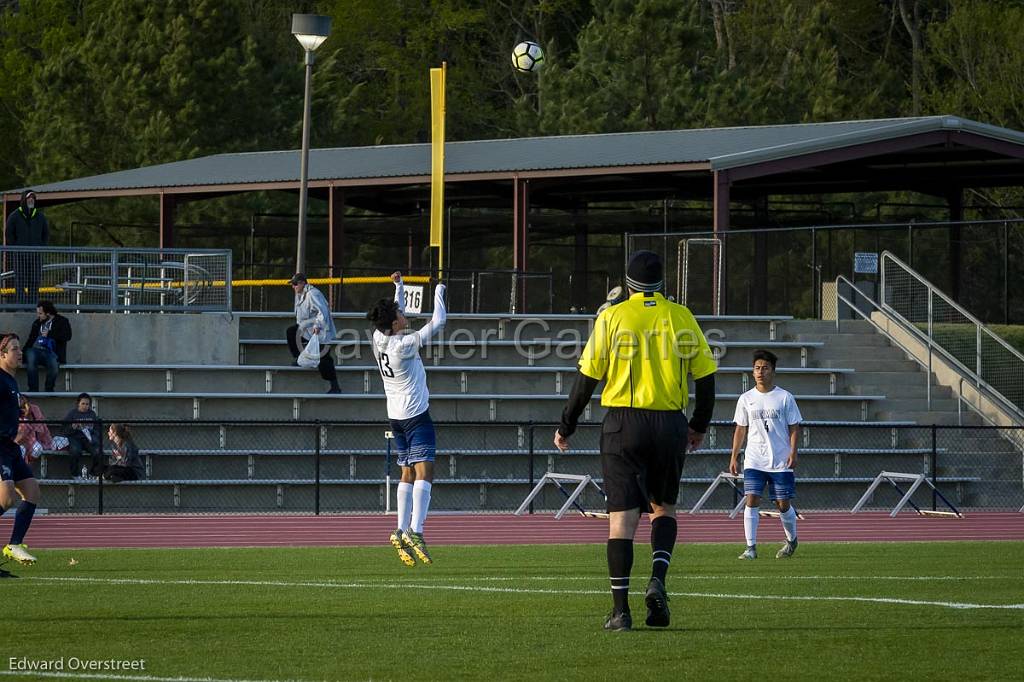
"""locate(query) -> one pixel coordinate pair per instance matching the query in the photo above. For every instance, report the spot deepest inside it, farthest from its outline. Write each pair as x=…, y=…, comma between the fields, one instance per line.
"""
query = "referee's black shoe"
x=619, y=621
x=657, y=604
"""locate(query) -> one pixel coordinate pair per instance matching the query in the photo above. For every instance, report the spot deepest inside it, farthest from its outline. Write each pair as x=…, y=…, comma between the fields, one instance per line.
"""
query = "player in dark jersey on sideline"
x=16, y=477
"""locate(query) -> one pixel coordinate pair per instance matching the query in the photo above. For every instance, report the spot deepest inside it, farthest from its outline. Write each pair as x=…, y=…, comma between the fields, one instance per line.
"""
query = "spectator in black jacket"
x=27, y=226
x=47, y=345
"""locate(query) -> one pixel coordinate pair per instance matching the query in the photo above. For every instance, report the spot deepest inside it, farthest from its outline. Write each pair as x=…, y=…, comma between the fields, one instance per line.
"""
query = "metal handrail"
x=853, y=306
x=979, y=326
x=931, y=345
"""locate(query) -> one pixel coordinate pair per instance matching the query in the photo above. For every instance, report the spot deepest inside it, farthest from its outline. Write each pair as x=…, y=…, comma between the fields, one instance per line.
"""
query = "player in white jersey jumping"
x=767, y=416
x=397, y=351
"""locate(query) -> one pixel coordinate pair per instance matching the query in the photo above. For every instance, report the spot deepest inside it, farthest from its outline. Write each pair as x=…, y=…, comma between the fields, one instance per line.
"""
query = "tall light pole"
x=311, y=30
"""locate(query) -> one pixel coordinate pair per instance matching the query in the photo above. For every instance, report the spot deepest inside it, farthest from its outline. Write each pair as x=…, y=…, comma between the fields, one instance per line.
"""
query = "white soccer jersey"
x=767, y=417
x=398, y=359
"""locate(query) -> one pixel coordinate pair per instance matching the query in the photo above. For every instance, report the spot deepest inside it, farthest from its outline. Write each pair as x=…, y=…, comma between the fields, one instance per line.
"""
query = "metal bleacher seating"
x=485, y=396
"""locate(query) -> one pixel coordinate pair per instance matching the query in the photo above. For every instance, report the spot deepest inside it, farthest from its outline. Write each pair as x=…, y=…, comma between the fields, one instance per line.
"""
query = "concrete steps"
x=869, y=364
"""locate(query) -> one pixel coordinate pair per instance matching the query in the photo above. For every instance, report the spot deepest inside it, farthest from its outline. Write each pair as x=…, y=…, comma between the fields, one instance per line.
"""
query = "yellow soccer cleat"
x=415, y=541
x=19, y=553
x=400, y=546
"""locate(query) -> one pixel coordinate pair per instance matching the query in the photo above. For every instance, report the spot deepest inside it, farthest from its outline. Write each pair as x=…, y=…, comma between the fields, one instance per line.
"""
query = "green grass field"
x=861, y=611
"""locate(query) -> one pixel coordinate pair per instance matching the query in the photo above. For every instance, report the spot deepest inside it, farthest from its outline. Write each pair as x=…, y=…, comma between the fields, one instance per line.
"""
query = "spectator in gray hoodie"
x=313, y=316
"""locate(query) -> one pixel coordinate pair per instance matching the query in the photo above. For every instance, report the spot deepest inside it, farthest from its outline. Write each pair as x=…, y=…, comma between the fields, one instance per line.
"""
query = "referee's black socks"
x=663, y=540
x=620, y=564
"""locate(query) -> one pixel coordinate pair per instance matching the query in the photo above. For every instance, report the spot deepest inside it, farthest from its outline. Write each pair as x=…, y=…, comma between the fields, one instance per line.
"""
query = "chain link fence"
x=487, y=467
x=784, y=270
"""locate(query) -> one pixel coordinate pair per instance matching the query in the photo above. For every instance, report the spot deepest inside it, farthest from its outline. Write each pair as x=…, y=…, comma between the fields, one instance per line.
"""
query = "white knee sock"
x=751, y=515
x=789, y=523
x=404, y=505
x=420, y=504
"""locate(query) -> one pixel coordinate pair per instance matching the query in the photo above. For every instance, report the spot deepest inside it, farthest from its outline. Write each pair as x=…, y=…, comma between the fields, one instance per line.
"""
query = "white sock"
x=751, y=515
x=420, y=504
x=789, y=523
x=404, y=505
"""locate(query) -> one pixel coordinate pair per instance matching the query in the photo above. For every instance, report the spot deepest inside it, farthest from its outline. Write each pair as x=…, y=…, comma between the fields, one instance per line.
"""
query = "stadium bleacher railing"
x=325, y=467
x=478, y=290
x=88, y=279
x=984, y=358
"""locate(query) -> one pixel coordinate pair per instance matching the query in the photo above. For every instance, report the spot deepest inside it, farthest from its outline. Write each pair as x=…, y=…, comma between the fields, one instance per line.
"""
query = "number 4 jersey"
x=767, y=417
x=398, y=359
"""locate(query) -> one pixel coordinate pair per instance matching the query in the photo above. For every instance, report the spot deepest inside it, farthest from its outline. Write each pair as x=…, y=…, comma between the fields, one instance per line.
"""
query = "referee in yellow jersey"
x=643, y=348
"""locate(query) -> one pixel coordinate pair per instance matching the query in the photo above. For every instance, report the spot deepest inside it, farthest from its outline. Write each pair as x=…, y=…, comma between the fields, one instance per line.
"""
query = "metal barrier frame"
x=683, y=268
x=121, y=280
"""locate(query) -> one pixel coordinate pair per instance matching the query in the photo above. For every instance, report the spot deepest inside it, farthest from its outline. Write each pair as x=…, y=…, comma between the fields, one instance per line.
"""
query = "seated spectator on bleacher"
x=83, y=433
x=33, y=434
x=125, y=461
x=47, y=345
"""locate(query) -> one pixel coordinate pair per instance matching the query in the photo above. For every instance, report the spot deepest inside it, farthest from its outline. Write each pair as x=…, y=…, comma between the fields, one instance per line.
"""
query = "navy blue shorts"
x=12, y=465
x=414, y=439
x=781, y=484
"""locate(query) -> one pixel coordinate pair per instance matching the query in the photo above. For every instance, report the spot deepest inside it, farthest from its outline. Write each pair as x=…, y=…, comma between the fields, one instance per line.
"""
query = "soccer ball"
x=527, y=56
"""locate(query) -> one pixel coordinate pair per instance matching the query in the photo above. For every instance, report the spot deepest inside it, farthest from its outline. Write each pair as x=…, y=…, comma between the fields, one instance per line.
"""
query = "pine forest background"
x=95, y=86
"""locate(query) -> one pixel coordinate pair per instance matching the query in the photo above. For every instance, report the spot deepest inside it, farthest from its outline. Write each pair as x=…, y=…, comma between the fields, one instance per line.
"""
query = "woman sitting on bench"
x=125, y=461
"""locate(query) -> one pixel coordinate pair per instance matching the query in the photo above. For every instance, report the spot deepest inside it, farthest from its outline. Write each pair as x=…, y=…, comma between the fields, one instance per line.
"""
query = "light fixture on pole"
x=311, y=30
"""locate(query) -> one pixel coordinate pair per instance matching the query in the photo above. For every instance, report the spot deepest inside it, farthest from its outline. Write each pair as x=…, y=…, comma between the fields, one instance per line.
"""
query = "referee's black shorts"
x=642, y=454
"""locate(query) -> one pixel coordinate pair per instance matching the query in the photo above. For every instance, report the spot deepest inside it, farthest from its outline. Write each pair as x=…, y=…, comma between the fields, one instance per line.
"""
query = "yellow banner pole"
x=437, y=115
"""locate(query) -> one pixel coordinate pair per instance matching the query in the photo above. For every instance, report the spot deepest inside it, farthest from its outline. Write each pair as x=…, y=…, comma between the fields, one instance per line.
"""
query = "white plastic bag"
x=310, y=356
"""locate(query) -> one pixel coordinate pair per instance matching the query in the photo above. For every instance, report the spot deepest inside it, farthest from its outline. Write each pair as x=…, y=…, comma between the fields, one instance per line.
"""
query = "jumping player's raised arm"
x=396, y=277
x=437, y=320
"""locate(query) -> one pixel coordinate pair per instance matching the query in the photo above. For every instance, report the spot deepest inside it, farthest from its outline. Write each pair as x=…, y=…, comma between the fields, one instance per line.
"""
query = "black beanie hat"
x=645, y=272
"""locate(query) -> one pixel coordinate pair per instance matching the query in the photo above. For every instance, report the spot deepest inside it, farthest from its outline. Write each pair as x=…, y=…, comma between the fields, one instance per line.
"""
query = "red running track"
x=467, y=529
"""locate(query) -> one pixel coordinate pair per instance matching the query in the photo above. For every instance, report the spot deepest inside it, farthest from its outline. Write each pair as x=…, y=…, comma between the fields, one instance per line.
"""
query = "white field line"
x=109, y=676
x=685, y=577
x=516, y=590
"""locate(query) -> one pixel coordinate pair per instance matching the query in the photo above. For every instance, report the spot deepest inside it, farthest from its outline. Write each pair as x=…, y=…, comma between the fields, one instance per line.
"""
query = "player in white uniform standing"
x=767, y=416
x=397, y=351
